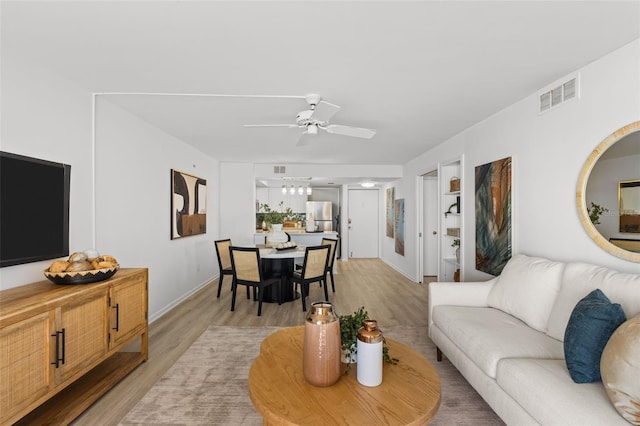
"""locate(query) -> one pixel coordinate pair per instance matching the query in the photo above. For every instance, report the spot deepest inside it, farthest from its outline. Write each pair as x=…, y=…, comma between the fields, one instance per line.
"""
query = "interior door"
x=430, y=227
x=363, y=223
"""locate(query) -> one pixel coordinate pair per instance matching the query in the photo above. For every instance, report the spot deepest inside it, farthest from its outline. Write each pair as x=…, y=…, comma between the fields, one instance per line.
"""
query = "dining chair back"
x=224, y=260
x=313, y=270
x=247, y=270
x=332, y=257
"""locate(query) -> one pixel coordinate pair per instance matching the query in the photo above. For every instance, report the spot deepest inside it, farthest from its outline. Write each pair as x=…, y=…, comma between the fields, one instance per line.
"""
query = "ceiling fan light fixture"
x=312, y=129
x=318, y=116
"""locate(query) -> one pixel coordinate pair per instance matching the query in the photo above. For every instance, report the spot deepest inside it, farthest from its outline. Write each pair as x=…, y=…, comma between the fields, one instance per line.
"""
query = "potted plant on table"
x=349, y=326
x=275, y=217
x=274, y=220
x=272, y=217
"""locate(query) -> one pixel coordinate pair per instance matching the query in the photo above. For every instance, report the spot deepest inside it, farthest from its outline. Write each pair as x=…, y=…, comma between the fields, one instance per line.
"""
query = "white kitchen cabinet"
x=297, y=202
x=276, y=197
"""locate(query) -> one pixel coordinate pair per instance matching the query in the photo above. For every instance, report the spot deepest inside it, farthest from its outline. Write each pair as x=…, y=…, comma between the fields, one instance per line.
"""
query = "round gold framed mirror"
x=617, y=153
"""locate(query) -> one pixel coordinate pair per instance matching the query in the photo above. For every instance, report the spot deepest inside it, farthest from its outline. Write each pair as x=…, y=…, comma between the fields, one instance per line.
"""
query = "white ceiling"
x=418, y=72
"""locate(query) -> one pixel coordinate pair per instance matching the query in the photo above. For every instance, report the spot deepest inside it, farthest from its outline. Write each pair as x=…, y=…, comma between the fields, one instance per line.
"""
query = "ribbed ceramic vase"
x=276, y=235
x=321, y=347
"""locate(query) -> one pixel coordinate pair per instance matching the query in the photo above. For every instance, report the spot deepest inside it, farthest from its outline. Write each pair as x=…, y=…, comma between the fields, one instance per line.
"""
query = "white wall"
x=548, y=153
x=48, y=117
x=405, y=264
x=133, y=205
x=237, y=202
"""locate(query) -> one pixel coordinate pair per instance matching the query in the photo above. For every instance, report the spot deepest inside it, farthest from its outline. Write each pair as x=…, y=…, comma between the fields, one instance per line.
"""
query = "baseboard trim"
x=401, y=272
x=181, y=299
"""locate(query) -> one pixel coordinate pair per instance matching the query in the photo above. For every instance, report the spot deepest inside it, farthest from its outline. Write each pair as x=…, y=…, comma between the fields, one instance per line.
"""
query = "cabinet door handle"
x=117, y=308
x=57, y=351
x=60, y=348
x=64, y=346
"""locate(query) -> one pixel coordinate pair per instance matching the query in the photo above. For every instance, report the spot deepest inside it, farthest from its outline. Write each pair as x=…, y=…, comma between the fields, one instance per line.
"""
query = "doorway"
x=363, y=220
x=428, y=224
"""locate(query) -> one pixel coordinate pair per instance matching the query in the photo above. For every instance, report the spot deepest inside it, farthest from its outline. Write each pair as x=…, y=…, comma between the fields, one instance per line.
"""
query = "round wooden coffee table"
x=409, y=393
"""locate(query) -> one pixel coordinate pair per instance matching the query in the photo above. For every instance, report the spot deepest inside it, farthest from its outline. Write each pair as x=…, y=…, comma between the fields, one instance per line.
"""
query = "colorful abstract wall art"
x=493, y=215
x=389, y=205
x=398, y=228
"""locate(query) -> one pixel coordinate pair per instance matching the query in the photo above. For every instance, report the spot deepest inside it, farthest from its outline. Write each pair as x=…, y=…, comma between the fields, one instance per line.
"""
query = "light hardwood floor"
x=388, y=296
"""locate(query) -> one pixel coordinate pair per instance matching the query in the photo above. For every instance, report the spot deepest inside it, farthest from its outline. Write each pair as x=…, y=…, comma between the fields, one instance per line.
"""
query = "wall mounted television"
x=34, y=209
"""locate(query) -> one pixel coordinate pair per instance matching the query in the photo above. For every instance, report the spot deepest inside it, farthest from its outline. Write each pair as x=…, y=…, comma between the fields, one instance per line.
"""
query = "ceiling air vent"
x=279, y=170
x=558, y=94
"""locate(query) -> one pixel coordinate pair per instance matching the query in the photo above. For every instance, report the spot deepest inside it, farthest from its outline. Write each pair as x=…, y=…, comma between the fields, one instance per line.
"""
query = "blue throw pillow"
x=591, y=324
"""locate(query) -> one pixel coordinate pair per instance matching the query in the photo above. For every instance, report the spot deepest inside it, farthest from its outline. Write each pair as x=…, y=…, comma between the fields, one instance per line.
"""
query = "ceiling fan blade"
x=291, y=126
x=324, y=111
x=357, y=132
x=305, y=139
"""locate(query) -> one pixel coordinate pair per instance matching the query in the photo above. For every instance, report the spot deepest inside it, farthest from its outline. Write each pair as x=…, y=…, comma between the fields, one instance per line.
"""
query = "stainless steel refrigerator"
x=322, y=214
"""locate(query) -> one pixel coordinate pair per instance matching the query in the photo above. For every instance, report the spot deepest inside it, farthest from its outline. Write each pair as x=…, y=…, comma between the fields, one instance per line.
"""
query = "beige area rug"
x=208, y=383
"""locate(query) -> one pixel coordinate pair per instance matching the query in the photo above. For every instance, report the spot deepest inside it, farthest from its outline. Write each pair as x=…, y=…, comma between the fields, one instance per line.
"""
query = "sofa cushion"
x=487, y=335
x=620, y=368
x=545, y=390
x=581, y=278
x=591, y=324
x=527, y=288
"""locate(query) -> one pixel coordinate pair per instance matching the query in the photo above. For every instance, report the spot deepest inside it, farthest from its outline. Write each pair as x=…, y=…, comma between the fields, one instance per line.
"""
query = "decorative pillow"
x=592, y=322
x=620, y=368
x=527, y=288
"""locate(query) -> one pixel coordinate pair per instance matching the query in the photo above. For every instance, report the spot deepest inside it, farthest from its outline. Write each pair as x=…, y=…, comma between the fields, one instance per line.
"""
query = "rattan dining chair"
x=313, y=270
x=332, y=257
x=224, y=261
x=247, y=270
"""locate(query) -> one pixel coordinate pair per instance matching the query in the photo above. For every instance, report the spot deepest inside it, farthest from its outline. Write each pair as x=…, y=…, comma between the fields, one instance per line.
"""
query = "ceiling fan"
x=317, y=117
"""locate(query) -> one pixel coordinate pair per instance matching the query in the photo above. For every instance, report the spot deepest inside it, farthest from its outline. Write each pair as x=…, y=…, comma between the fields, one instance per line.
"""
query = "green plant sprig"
x=349, y=326
x=595, y=211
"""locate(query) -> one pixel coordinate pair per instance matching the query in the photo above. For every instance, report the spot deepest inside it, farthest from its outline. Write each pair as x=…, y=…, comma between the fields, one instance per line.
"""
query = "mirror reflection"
x=629, y=205
x=609, y=193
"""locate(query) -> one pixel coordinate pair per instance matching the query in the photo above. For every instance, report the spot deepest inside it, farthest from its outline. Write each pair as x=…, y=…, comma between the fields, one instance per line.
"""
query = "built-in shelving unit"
x=450, y=222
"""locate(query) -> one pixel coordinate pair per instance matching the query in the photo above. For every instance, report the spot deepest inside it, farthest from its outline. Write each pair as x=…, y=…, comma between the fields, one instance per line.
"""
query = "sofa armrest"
x=458, y=294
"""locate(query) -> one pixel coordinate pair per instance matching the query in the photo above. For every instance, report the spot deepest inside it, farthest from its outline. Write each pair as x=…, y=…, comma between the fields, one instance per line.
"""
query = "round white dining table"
x=281, y=263
x=292, y=253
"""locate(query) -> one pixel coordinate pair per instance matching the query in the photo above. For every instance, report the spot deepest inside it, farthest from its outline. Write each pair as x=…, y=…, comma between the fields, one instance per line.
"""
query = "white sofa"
x=514, y=356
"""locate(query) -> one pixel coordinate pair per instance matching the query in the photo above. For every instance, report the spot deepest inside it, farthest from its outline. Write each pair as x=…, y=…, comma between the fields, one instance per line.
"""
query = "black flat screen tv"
x=34, y=209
